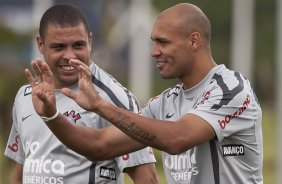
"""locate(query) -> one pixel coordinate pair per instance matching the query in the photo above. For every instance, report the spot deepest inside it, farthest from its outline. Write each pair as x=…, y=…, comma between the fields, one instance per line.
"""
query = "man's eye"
x=57, y=47
x=163, y=42
x=79, y=45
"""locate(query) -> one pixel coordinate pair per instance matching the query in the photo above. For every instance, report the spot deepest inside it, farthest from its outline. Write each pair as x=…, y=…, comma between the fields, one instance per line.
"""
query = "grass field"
x=270, y=154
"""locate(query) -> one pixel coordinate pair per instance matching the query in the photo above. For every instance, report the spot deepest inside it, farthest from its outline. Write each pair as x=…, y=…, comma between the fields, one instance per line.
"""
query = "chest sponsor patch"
x=108, y=173
x=233, y=150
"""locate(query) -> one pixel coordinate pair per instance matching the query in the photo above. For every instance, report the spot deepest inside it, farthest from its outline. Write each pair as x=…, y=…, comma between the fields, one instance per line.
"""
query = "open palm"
x=87, y=97
x=43, y=92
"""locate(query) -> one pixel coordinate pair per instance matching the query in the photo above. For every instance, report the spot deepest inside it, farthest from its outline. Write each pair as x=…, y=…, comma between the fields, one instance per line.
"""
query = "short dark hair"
x=63, y=15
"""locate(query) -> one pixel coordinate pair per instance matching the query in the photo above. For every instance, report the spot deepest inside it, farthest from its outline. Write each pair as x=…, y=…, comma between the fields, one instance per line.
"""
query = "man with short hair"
x=208, y=126
x=41, y=158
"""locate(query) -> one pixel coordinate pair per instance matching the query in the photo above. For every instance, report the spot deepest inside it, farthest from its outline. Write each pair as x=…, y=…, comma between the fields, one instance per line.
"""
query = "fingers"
x=42, y=70
x=76, y=63
x=30, y=78
x=38, y=74
x=82, y=68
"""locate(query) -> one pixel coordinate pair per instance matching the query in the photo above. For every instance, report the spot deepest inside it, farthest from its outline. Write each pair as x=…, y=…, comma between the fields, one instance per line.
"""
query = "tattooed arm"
x=174, y=138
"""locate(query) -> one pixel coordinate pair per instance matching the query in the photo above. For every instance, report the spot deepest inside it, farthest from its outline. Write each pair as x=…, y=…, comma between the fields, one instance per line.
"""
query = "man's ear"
x=40, y=44
x=195, y=40
x=90, y=40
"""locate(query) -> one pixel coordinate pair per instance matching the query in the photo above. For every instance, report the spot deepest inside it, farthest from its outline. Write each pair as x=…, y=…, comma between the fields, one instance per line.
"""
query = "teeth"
x=68, y=68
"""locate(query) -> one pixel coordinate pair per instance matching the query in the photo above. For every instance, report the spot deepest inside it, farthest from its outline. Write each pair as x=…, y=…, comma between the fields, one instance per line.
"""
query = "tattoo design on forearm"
x=130, y=128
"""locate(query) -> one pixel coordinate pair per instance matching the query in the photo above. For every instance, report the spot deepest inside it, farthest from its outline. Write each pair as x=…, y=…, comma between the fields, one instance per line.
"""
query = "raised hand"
x=87, y=97
x=43, y=92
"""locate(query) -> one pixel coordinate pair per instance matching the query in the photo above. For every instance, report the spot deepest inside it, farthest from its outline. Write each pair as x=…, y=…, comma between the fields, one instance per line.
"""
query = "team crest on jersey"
x=27, y=90
x=108, y=173
x=72, y=116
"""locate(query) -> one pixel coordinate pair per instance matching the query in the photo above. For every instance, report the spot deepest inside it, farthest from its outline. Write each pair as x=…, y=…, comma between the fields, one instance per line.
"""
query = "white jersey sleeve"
x=14, y=149
x=228, y=104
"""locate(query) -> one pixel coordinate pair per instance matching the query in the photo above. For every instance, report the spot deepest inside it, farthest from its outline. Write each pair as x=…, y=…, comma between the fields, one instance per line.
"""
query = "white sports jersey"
x=46, y=160
x=227, y=102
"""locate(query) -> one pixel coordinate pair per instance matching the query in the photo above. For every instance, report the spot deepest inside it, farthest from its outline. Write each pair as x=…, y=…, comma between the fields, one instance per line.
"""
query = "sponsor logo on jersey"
x=181, y=167
x=169, y=115
x=41, y=169
x=237, y=113
x=72, y=116
x=27, y=90
x=107, y=173
x=25, y=117
x=233, y=150
x=15, y=146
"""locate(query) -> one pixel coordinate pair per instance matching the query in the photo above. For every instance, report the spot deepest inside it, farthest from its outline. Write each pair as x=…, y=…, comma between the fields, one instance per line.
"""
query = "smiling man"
x=208, y=126
x=41, y=158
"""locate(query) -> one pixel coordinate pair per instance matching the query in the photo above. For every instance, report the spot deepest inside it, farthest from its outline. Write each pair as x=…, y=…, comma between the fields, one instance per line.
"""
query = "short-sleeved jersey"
x=46, y=160
x=226, y=101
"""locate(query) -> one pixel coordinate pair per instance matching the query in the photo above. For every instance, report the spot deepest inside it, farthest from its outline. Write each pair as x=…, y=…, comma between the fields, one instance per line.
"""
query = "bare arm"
x=187, y=132
x=95, y=144
x=172, y=137
x=17, y=175
x=143, y=174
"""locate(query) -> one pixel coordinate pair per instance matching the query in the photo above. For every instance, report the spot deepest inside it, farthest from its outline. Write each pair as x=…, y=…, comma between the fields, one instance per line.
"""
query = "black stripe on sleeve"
x=130, y=100
x=112, y=96
x=215, y=162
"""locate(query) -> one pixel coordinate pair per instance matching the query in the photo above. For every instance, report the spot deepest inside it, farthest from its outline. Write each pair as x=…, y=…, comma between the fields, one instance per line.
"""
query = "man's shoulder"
x=173, y=91
x=24, y=91
x=167, y=94
x=111, y=89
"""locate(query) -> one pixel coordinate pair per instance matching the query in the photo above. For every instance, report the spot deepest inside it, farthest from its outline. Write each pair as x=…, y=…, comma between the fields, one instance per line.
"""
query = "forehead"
x=56, y=32
x=164, y=28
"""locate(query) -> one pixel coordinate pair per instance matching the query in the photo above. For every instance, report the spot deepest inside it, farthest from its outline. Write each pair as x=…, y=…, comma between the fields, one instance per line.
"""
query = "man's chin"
x=68, y=82
x=167, y=77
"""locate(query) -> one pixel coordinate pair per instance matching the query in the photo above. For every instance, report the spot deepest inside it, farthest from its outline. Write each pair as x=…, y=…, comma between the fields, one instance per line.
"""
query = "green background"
x=14, y=58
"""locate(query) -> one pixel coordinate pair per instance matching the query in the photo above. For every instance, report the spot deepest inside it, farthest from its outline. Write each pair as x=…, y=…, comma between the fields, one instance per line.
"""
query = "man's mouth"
x=160, y=63
x=67, y=68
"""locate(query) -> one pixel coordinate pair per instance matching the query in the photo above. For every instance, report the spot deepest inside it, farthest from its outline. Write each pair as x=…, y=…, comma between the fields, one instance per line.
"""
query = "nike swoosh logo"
x=24, y=118
x=169, y=115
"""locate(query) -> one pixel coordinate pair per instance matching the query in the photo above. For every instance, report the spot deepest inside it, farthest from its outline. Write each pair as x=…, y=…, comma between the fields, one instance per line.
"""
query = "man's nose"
x=155, y=51
x=69, y=54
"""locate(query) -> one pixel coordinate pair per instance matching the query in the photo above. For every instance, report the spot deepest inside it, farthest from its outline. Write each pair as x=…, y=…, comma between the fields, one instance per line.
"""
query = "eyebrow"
x=60, y=43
